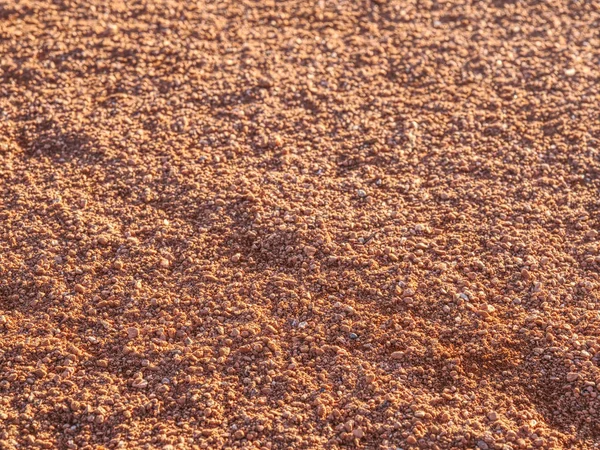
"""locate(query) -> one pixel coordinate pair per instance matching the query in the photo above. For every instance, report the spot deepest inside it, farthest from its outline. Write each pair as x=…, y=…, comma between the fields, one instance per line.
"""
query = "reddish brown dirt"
x=299, y=224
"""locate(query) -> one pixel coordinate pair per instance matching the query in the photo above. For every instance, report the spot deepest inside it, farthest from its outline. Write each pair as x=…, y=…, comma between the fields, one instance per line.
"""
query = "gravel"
x=205, y=204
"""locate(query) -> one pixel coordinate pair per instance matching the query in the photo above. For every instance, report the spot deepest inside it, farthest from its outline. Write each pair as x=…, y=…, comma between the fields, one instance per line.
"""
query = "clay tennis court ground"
x=299, y=224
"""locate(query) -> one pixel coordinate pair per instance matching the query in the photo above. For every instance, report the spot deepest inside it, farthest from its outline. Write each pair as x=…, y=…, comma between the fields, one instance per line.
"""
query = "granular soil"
x=299, y=224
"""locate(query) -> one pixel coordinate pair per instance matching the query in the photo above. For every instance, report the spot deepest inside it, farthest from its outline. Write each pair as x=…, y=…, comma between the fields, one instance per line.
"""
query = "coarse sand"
x=299, y=224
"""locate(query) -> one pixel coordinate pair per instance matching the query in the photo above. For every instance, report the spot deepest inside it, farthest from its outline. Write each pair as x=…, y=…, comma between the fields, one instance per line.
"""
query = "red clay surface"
x=299, y=224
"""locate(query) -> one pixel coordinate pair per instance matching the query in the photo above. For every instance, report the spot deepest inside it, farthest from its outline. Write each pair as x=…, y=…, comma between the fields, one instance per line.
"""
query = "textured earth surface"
x=299, y=224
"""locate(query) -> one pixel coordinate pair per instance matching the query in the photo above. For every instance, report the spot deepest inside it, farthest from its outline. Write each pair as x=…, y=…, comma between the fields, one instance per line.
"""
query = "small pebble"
x=572, y=376
x=40, y=373
x=239, y=434
x=140, y=384
x=309, y=250
x=132, y=332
